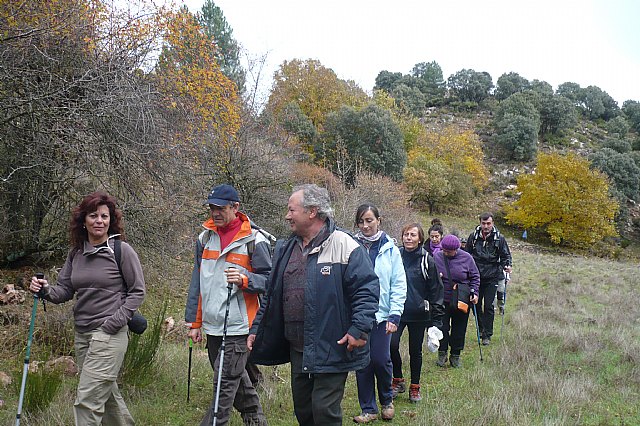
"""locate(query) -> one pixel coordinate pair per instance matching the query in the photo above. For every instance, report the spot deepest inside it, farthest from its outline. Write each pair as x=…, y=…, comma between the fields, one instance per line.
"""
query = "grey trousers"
x=317, y=398
x=236, y=389
x=98, y=400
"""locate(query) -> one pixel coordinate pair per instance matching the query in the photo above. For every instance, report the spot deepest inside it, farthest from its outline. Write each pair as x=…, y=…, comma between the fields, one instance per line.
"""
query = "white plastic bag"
x=433, y=338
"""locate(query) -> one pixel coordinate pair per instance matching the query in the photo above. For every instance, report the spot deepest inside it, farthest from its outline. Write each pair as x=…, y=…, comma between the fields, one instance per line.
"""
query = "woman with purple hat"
x=458, y=270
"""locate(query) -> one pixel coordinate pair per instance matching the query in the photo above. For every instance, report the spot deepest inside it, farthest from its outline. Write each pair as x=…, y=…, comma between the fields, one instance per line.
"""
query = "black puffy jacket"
x=491, y=254
x=423, y=283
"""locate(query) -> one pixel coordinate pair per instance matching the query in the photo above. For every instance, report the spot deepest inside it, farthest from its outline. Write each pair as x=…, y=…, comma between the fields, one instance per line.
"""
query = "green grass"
x=569, y=353
x=43, y=387
x=139, y=367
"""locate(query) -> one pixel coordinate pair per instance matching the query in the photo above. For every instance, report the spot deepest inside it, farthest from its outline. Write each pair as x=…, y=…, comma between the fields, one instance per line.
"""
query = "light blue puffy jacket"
x=393, y=281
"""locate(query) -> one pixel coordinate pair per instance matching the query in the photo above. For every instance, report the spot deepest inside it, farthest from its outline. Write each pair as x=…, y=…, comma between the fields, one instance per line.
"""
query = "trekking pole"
x=189, y=369
x=507, y=277
x=222, y=345
x=28, y=354
x=475, y=315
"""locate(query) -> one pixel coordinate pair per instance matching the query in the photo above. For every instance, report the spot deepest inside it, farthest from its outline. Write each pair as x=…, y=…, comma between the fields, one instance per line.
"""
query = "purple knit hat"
x=450, y=242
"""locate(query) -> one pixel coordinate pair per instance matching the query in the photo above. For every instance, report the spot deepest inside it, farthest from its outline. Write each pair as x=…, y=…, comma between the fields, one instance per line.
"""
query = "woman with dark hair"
x=106, y=299
x=457, y=268
x=422, y=309
x=436, y=232
x=387, y=264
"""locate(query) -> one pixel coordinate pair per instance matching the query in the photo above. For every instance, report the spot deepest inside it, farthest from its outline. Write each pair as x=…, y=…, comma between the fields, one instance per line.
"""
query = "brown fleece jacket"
x=93, y=275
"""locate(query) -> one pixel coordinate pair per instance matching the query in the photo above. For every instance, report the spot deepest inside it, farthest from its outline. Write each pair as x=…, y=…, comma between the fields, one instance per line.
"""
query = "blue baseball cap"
x=222, y=195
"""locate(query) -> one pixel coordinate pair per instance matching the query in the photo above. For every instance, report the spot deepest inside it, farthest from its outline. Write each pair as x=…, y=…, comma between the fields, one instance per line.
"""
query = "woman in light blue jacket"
x=388, y=266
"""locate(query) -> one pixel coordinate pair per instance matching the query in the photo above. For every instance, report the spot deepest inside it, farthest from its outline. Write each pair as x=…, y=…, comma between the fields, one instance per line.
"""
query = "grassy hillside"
x=569, y=353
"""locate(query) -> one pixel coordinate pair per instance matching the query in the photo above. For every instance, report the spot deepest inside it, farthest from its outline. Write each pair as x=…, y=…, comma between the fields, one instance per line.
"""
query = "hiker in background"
x=320, y=306
x=388, y=266
x=423, y=308
x=228, y=251
x=102, y=308
x=491, y=253
x=435, y=234
x=455, y=266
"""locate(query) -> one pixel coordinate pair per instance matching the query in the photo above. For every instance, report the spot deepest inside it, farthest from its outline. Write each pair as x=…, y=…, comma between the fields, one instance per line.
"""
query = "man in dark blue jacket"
x=492, y=256
x=322, y=296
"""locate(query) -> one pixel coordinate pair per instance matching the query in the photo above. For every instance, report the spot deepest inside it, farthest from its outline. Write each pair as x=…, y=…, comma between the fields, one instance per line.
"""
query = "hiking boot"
x=254, y=419
x=365, y=418
x=455, y=361
x=442, y=359
x=486, y=341
x=414, y=393
x=397, y=386
x=388, y=411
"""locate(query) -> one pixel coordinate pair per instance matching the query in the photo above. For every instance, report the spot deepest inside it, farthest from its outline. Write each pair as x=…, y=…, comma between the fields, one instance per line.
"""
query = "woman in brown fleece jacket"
x=102, y=307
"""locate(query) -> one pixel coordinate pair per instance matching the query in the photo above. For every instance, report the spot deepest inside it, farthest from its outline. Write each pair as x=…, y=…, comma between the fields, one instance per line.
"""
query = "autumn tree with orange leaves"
x=315, y=88
x=445, y=167
x=77, y=114
x=567, y=200
x=304, y=93
x=86, y=106
x=192, y=82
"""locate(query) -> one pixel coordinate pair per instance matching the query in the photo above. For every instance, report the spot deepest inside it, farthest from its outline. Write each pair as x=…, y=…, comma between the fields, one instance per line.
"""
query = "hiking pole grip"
x=40, y=293
x=40, y=276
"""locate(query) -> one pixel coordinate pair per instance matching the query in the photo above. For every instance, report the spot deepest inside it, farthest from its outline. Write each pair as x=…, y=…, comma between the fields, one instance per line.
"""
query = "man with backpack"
x=232, y=263
x=493, y=257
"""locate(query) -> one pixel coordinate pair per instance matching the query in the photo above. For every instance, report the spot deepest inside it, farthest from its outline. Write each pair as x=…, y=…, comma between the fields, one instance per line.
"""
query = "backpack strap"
x=446, y=264
x=204, y=239
x=117, y=250
x=251, y=247
x=271, y=239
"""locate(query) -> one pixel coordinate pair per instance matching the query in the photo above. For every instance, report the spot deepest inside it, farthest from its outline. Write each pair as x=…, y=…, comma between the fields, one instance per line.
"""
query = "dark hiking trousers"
x=485, y=308
x=454, y=329
x=416, y=339
x=317, y=398
x=378, y=373
x=236, y=389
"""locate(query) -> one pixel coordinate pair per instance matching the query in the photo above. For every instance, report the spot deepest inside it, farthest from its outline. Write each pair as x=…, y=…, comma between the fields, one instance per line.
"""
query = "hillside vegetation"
x=168, y=113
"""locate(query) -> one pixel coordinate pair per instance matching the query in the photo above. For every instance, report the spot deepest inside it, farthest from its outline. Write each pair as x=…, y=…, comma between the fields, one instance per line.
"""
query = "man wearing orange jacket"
x=228, y=251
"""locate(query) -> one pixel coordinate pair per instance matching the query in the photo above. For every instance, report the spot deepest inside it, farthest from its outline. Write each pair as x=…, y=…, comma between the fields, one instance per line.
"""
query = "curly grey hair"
x=315, y=196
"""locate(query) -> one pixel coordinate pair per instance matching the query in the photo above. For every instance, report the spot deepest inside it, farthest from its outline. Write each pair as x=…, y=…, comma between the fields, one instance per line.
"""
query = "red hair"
x=90, y=204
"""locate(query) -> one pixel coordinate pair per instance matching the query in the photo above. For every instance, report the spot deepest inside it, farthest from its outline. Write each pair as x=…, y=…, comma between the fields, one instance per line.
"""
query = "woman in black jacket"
x=424, y=307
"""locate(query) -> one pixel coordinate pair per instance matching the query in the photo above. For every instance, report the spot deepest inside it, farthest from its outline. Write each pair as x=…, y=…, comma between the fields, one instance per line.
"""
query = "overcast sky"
x=589, y=42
